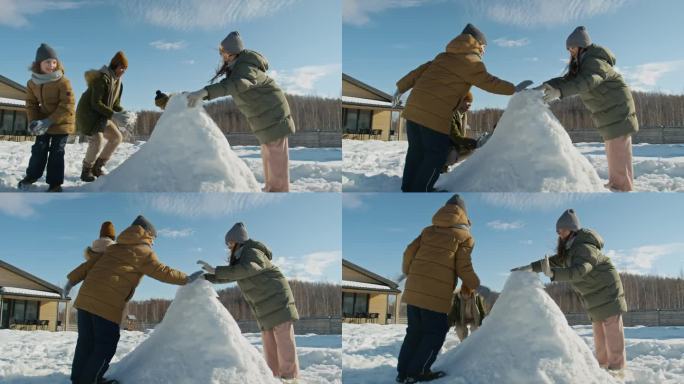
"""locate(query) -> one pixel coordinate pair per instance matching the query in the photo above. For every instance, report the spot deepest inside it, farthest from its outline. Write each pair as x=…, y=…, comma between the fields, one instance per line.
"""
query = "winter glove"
x=194, y=97
x=66, y=290
x=123, y=120
x=526, y=268
x=194, y=276
x=546, y=267
x=523, y=85
x=550, y=93
x=469, y=144
x=206, y=267
x=396, y=99
x=39, y=127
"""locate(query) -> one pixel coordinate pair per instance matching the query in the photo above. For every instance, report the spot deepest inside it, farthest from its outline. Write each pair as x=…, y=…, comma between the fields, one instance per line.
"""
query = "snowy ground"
x=41, y=357
x=377, y=166
x=311, y=169
x=654, y=354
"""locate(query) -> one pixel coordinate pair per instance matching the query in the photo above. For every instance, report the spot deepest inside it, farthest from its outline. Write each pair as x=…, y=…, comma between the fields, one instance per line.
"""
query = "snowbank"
x=528, y=152
x=525, y=339
x=197, y=342
x=186, y=153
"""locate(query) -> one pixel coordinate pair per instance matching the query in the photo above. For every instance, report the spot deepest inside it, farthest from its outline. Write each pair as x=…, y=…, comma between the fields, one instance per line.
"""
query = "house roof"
x=35, y=279
x=29, y=292
x=12, y=102
x=389, y=283
x=367, y=87
x=12, y=84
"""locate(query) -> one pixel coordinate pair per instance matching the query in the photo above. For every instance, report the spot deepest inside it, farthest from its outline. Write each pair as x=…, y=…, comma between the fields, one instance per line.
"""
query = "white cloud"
x=200, y=14
x=538, y=201
x=175, y=233
x=357, y=12
x=207, y=204
x=533, y=59
x=310, y=267
x=501, y=225
x=641, y=260
x=510, y=43
x=302, y=80
x=163, y=45
x=188, y=62
x=526, y=242
x=529, y=13
x=14, y=13
x=646, y=77
x=352, y=201
x=26, y=205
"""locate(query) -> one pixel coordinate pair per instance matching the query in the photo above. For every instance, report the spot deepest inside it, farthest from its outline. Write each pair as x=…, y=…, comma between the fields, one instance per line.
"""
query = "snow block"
x=530, y=151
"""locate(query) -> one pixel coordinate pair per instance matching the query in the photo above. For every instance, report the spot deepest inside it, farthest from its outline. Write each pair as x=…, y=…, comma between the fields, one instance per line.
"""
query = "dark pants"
x=425, y=335
x=427, y=153
x=95, y=348
x=48, y=150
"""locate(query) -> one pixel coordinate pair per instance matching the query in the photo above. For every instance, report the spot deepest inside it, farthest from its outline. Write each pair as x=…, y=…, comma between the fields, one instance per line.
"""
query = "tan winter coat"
x=439, y=85
x=53, y=100
x=109, y=279
x=436, y=259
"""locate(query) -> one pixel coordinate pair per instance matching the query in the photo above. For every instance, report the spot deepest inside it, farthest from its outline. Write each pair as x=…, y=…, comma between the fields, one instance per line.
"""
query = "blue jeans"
x=48, y=150
x=95, y=348
x=424, y=338
x=427, y=153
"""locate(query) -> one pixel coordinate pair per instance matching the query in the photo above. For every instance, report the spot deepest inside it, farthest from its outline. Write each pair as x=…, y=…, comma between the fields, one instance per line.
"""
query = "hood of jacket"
x=588, y=236
x=259, y=246
x=101, y=244
x=450, y=216
x=464, y=44
x=253, y=58
x=600, y=53
x=135, y=235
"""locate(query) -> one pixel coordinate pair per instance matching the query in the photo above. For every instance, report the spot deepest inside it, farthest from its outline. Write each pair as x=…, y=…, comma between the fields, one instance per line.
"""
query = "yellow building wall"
x=11, y=279
x=11, y=93
x=383, y=120
x=378, y=304
x=351, y=90
x=48, y=311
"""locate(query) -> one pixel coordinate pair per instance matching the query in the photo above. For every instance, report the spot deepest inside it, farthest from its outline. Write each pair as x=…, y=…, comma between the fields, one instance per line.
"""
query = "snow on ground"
x=524, y=340
x=377, y=166
x=198, y=342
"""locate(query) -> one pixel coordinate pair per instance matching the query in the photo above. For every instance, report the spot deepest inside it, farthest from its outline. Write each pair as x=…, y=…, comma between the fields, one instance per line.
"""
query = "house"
x=12, y=108
x=367, y=112
x=368, y=297
x=28, y=302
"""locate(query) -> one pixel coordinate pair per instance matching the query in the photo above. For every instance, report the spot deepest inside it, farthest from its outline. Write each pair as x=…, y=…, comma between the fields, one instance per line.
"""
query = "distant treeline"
x=313, y=299
x=310, y=113
x=653, y=110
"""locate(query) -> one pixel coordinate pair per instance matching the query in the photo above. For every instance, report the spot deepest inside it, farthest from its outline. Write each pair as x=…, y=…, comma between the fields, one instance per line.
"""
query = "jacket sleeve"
x=250, y=265
x=464, y=265
x=407, y=82
x=79, y=273
x=243, y=77
x=65, y=108
x=96, y=95
x=117, y=103
x=554, y=262
x=409, y=254
x=159, y=271
x=482, y=79
x=591, y=74
x=583, y=262
x=32, y=106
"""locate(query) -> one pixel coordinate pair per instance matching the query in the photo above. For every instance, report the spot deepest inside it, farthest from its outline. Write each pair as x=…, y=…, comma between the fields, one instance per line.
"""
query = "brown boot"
x=97, y=168
x=87, y=173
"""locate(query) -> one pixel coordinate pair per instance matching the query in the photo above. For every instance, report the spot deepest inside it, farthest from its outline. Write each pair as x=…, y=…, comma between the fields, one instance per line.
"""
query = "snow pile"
x=197, y=342
x=186, y=153
x=528, y=152
x=525, y=339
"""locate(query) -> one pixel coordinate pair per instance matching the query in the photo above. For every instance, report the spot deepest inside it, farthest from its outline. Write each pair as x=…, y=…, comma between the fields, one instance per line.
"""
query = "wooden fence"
x=654, y=318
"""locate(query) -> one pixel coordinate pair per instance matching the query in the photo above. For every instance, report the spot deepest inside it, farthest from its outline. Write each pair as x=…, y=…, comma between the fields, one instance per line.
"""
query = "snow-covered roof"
x=362, y=101
x=357, y=284
x=28, y=292
x=7, y=101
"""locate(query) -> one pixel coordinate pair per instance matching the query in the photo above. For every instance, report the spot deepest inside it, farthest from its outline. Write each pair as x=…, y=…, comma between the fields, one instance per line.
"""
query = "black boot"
x=55, y=188
x=430, y=375
x=26, y=182
x=97, y=168
x=87, y=173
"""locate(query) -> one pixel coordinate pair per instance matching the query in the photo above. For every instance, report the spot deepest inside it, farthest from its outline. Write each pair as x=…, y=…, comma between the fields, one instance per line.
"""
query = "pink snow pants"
x=275, y=157
x=280, y=351
x=609, y=342
x=619, y=155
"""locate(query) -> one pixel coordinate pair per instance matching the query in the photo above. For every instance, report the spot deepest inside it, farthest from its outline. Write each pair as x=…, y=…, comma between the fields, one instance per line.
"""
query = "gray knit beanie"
x=232, y=43
x=476, y=33
x=568, y=220
x=143, y=222
x=457, y=200
x=578, y=38
x=237, y=234
x=45, y=52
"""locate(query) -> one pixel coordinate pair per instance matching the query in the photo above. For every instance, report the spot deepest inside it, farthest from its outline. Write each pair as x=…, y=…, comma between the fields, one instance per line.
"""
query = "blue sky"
x=172, y=44
x=385, y=39
x=642, y=231
x=46, y=235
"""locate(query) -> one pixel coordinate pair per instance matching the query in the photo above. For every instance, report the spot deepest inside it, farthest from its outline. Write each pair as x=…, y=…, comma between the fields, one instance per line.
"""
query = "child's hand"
x=206, y=267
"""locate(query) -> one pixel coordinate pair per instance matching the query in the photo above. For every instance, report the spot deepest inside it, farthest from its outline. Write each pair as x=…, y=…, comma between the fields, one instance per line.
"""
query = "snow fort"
x=530, y=151
x=525, y=339
x=186, y=152
x=197, y=342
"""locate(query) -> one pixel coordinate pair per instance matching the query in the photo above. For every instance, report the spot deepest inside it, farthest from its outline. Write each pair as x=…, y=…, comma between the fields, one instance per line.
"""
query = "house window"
x=6, y=121
x=354, y=303
x=19, y=311
x=357, y=120
x=20, y=123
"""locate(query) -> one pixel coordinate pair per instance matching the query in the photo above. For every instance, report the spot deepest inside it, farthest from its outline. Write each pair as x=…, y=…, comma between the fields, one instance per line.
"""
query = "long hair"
x=232, y=260
x=222, y=70
x=574, y=66
x=561, y=249
x=35, y=67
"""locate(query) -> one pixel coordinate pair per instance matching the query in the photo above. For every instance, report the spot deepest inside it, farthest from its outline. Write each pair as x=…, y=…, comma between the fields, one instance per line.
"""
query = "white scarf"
x=43, y=78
